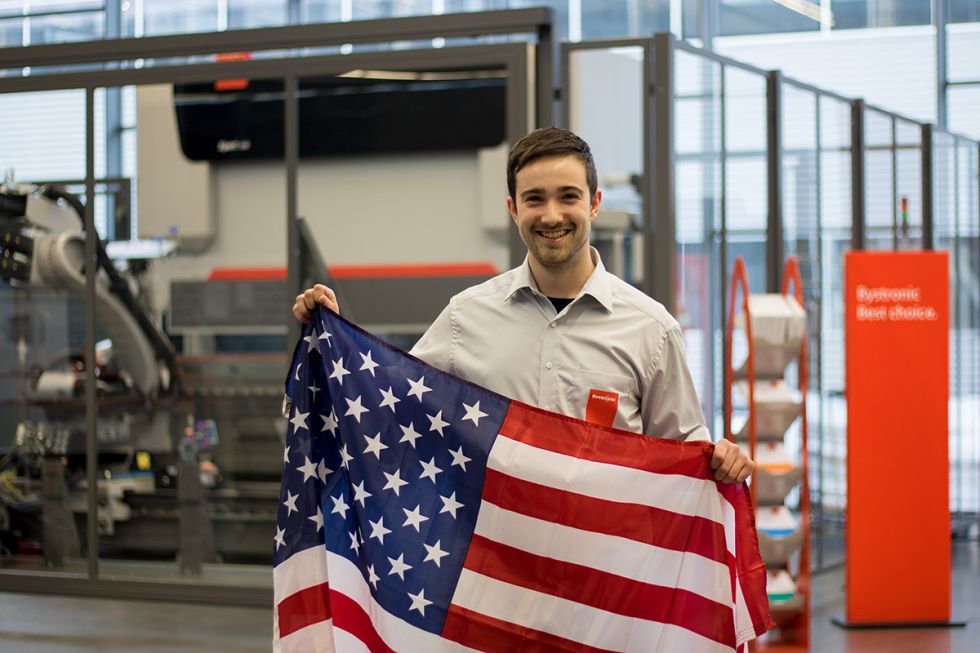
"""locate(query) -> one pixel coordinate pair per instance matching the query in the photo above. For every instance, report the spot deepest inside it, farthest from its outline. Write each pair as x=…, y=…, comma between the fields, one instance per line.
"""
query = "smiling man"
x=559, y=331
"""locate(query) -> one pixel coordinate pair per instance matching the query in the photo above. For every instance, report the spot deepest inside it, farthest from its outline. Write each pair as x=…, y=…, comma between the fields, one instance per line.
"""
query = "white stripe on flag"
x=303, y=569
x=575, y=621
x=397, y=634
x=744, y=628
x=609, y=553
x=673, y=492
x=316, y=638
x=347, y=643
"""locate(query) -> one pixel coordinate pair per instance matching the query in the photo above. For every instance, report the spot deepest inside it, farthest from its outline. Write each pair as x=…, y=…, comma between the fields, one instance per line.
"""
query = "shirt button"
x=548, y=365
x=554, y=324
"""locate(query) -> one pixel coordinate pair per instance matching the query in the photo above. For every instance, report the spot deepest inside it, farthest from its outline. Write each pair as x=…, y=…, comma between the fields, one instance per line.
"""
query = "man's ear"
x=512, y=208
x=595, y=202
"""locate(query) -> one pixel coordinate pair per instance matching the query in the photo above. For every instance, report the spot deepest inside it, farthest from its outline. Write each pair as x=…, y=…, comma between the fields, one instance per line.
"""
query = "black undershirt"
x=560, y=303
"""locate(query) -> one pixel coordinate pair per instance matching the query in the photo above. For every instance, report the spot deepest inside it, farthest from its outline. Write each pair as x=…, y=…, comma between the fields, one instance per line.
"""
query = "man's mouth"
x=553, y=235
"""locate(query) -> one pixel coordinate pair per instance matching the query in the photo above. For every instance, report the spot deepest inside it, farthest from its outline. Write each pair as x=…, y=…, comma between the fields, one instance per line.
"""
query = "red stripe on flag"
x=654, y=526
x=602, y=590
x=483, y=633
x=604, y=444
x=304, y=608
x=751, y=568
x=350, y=616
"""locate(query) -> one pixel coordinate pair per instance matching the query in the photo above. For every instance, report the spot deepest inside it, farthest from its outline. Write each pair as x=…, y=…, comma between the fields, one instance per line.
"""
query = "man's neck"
x=566, y=281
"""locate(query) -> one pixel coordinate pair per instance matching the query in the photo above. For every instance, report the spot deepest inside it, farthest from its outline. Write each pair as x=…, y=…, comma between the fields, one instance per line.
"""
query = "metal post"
x=774, y=169
x=547, y=92
x=91, y=273
x=857, y=175
x=659, y=261
x=894, y=184
x=939, y=17
x=723, y=240
x=816, y=516
x=294, y=261
x=928, y=198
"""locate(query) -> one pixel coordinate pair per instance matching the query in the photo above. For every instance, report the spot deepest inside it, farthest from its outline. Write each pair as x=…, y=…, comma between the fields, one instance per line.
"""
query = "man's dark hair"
x=547, y=142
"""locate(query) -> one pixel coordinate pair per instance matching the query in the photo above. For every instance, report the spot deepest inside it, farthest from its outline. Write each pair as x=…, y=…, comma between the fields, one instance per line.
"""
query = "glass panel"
x=965, y=395
x=697, y=142
x=963, y=115
x=962, y=62
x=801, y=238
x=849, y=14
x=879, y=180
x=243, y=14
x=41, y=333
x=908, y=184
x=746, y=185
x=611, y=122
x=764, y=16
x=176, y=16
x=964, y=11
x=829, y=448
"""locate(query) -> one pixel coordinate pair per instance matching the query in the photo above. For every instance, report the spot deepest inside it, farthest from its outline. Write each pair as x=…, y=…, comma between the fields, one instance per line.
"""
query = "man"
x=560, y=332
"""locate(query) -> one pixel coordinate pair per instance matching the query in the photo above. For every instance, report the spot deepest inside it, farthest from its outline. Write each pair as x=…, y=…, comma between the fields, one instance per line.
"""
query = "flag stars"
x=450, y=505
x=330, y=422
x=473, y=413
x=398, y=566
x=409, y=434
x=395, y=481
x=360, y=494
x=290, y=503
x=434, y=553
x=340, y=507
x=419, y=602
x=418, y=388
x=313, y=390
x=285, y=455
x=414, y=518
x=345, y=457
x=355, y=545
x=429, y=470
x=369, y=363
x=308, y=468
x=313, y=343
x=280, y=538
x=373, y=577
x=299, y=421
x=388, y=399
x=436, y=423
x=378, y=530
x=339, y=371
x=317, y=519
x=459, y=458
x=355, y=408
x=322, y=471
x=374, y=445
x=325, y=336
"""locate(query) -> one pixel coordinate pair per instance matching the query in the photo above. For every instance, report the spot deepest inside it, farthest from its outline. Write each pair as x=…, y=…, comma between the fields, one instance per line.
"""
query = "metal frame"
x=774, y=166
x=513, y=57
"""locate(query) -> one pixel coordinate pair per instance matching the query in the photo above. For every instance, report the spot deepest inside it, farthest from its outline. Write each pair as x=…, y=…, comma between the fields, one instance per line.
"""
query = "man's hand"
x=307, y=301
x=730, y=463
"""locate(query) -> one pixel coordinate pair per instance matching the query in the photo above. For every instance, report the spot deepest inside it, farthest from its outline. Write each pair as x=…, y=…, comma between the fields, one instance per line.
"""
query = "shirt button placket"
x=548, y=384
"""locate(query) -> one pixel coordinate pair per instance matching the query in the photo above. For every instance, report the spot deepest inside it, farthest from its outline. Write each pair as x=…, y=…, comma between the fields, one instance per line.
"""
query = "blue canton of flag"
x=384, y=465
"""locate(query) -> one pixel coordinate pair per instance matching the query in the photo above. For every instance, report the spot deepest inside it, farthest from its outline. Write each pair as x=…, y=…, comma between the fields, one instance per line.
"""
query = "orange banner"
x=898, y=524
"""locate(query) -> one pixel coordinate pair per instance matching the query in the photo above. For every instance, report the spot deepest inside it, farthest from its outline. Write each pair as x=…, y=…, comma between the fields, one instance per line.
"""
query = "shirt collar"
x=596, y=286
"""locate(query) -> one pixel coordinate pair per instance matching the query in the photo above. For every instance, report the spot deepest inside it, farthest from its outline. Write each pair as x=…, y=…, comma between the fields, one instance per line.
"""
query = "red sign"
x=898, y=527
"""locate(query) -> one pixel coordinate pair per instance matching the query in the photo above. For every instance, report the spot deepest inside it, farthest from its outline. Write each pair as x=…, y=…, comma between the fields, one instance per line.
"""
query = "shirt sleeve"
x=669, y=402
x=435, y=347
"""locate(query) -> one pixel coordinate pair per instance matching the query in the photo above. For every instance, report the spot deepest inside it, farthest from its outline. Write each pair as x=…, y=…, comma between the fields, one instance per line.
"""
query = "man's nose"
x=552, y=213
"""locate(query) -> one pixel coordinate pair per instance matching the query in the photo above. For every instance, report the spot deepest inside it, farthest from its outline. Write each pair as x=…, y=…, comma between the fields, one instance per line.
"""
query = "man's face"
x=553, y=211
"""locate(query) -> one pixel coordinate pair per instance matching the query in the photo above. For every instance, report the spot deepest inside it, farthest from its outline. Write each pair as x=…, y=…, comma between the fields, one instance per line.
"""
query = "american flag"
x=422, y=513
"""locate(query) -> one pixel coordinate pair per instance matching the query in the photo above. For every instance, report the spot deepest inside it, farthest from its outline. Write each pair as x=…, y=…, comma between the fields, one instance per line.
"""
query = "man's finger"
x=309, y=299
x=718, y=456
x=745, y=472
x=730, y=457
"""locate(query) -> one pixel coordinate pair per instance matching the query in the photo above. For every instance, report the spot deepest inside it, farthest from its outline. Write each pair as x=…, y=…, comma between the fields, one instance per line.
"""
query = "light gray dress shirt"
x=506, y=336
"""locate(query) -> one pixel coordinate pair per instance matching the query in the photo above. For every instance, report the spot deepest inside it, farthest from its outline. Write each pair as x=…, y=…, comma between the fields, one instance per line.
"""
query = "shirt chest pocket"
x=604, y=398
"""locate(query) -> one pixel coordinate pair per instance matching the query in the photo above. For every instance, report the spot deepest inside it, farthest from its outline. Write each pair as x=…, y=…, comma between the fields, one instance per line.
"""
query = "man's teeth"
x=554, y=234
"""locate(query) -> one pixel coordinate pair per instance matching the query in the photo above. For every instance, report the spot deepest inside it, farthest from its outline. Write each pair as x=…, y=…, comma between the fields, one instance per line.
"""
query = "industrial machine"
x=163, y=490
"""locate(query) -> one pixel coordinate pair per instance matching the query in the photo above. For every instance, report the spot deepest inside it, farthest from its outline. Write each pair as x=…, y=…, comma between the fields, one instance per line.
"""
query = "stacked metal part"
x=778, y=328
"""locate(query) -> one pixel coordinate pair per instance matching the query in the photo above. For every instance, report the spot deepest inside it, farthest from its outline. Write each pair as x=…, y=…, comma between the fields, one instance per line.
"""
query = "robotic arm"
x=42, y=245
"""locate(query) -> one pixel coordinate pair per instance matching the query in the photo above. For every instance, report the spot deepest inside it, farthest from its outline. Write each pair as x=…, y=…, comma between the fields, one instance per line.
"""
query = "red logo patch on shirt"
x=602, y=406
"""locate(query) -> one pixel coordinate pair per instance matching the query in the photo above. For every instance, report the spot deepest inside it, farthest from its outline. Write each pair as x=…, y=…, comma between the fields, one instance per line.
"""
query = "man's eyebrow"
x=562, y=189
